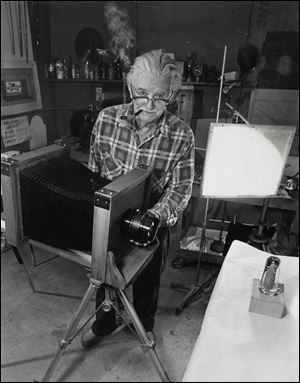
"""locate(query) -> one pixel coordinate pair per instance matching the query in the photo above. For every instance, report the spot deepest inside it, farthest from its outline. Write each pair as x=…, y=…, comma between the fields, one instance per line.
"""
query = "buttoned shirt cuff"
x=155, y=214
x=161, y=212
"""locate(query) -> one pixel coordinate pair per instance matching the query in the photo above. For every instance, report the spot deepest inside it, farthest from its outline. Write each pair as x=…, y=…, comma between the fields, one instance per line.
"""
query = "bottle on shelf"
x=65, y=69
x=59, y=70
x=52, y=70
x=73, y=71
x=86, y=70
x=111, y=71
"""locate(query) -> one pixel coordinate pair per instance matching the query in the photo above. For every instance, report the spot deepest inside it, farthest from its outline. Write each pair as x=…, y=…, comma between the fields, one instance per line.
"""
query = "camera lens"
x=138, y=227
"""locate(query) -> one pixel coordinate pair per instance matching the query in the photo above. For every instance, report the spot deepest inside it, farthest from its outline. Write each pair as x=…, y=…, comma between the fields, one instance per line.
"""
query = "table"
x=237, y=345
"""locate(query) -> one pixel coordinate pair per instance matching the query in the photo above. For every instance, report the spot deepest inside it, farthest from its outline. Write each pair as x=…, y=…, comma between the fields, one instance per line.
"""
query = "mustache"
x=144, y=109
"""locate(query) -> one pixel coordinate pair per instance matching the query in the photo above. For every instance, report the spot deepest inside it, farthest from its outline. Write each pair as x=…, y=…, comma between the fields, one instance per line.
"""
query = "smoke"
x=123, y=36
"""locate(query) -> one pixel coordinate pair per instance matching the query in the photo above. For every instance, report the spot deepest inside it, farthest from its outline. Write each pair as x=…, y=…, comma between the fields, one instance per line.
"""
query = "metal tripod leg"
x=146, y=343
x=21, y=262
x=195, y=292
x=33, y=288
x=67, y=340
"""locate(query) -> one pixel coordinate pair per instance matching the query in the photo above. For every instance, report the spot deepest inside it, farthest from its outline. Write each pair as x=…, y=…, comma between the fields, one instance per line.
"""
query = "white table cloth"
x=237, y=345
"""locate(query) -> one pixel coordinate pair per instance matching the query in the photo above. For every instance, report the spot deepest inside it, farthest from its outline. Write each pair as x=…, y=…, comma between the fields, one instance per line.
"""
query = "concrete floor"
x=32, y=323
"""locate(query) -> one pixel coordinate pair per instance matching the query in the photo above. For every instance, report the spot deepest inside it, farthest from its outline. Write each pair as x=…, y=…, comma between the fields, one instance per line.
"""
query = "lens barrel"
x=139, y=227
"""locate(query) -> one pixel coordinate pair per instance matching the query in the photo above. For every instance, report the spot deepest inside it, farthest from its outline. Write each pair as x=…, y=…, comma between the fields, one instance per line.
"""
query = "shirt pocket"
x=112, y=167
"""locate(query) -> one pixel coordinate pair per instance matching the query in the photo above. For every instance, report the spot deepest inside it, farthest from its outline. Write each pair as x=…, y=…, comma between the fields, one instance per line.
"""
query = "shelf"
x=79, y=80
x=194, y=84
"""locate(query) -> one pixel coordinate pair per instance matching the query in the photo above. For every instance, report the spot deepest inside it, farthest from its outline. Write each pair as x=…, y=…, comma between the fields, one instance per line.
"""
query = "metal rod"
x=65, y=342
x=222, y=222
x=234, y=220
x=262, y=218
x=25, y=31
x=143, y=337
x=124, y=87
x=35, y=264
x=237, y=113
x=13, y=47
x=196, y=292
x=221, y=83
x=20, y=26
x=201, y=243
x=218, y=220
x=264, y=209
x=21, y=262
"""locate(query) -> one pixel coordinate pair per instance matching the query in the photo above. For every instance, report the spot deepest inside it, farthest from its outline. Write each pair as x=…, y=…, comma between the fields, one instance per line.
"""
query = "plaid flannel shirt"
x=115, y=149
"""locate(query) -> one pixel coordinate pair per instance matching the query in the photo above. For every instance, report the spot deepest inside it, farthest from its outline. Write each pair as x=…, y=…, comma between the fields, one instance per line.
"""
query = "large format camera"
x=60, y=203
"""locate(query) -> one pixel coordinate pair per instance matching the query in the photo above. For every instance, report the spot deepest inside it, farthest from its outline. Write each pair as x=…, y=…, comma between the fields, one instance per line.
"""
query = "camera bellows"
x=58, y=201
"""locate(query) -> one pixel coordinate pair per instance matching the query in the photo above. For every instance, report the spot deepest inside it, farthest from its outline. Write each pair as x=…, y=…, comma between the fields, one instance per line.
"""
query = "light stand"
x=234, y=152
x=197, y=289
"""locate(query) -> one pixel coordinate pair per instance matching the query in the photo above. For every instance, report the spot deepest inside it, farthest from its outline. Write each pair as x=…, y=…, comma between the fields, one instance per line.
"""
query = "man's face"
x=157, y=89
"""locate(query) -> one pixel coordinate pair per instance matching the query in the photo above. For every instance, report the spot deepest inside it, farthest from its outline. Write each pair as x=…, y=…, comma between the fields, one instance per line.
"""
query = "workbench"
x=235, y=345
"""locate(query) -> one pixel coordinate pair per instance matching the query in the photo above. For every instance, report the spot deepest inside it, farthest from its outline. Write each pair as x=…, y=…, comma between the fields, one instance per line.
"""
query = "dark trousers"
x=145, y=291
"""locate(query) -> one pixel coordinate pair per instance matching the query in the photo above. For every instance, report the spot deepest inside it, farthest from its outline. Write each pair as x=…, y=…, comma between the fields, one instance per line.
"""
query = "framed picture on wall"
x=20, y=89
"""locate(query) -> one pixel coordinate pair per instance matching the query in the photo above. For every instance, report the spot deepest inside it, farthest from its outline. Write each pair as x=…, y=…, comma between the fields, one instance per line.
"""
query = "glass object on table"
x=269, y=283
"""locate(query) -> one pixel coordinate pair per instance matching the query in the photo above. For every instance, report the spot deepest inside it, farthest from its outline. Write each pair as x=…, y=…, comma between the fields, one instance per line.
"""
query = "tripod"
x=115, y=281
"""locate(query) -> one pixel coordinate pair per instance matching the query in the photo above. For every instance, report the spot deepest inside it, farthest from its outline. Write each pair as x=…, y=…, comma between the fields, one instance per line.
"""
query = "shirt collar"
x=164, y=125
x=126, y=119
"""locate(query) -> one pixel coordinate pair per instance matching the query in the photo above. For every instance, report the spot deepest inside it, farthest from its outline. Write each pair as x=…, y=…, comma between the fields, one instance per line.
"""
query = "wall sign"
x=15, y=131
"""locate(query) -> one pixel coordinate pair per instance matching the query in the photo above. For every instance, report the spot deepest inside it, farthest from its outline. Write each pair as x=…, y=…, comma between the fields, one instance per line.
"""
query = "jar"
x=59, y=69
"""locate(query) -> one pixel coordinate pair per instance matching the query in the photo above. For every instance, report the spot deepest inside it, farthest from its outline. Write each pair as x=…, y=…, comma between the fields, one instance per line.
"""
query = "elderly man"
x=144, y=132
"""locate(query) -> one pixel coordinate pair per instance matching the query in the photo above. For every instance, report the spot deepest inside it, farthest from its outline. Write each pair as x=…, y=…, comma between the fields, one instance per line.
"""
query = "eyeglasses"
x=158, y=101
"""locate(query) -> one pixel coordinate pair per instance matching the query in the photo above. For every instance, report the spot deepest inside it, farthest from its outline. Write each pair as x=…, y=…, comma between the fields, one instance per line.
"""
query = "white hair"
x=158, y=63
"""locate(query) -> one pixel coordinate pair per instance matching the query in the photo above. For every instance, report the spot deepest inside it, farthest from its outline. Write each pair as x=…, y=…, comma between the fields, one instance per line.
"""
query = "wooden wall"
x=203, y=26
x=177, y=26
